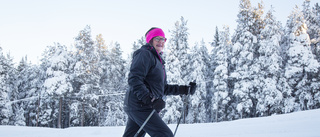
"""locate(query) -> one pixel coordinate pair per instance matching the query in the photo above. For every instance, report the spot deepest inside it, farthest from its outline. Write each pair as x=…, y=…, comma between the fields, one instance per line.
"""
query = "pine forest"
x=264, y=68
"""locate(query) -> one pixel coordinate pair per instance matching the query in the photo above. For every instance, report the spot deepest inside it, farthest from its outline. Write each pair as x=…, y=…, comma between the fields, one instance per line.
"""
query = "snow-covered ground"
x=298, y=124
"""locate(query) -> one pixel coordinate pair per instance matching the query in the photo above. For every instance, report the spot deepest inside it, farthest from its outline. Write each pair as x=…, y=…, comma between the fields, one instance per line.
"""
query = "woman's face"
x=158, y=43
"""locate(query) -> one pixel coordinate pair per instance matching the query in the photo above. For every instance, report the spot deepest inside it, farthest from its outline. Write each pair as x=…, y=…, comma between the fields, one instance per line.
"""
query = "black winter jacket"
x=147, y=79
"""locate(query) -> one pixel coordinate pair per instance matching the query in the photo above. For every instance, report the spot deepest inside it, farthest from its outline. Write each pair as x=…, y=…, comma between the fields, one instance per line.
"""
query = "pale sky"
x=27, y=27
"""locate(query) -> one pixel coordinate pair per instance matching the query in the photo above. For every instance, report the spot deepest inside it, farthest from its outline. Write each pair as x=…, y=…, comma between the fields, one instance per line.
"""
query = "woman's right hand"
x=158, y=104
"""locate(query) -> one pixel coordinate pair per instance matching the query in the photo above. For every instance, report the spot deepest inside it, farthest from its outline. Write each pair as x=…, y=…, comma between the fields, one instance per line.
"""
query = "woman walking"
x=147, y=85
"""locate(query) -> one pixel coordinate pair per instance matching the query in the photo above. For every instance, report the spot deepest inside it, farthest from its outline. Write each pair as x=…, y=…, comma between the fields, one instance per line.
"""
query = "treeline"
x=69, y=87
x=264, y=68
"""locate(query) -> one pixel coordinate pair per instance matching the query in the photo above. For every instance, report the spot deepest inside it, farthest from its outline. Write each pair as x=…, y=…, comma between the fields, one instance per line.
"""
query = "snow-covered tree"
x=21, y=81
x=176, y=68
x=204, y=84
x=243, y=57
x=5, y=90
x=196, y=103
x=210, y=76
x=115, y=70
x=244, y=19
x=301, y=64
x=19, y=119
x=220, y=93
x=312, y=17
x=115, y=73
x=103, y=59
x=177, y=53
x=29, y=85
x=86, y=77
x=11, y=84
x=58, y=77
x=269, y=62
x=114, y=113
x=214, y=45
x=86, y=66
x=258, y=20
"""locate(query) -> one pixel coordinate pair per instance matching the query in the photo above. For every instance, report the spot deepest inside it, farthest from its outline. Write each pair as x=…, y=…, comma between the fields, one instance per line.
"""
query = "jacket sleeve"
x=141, y=64
x=176, y=89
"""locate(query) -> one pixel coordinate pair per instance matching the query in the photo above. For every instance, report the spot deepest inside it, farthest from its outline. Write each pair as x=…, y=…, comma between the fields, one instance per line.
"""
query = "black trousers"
x=155, y=127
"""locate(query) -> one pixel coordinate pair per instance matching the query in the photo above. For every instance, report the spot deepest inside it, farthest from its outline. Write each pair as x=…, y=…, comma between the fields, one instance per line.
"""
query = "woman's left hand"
x=193, y=87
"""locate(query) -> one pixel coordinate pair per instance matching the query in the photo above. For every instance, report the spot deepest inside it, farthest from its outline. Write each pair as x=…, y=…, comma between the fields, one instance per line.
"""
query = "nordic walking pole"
x=175, y=131
x=185, y=102
x=144, y=123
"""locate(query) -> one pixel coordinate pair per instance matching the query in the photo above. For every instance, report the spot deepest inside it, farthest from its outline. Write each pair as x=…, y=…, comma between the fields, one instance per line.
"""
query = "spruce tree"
x=243, y=57
x=5, y=89
x=86, y=77
x=29, y=85
x=196, y=103
x=312, y=15
x=301, y=64
x=114, y=114
x=58, y=79
x=269, y=62
x=176, y=65
x=221, y=97
x=11, y=85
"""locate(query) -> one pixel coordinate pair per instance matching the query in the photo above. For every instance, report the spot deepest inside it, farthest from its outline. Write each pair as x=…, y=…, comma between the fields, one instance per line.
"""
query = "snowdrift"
x=298, y=124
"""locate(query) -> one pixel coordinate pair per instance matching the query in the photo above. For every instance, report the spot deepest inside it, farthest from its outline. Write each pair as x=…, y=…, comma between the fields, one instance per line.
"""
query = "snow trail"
x=298, y=124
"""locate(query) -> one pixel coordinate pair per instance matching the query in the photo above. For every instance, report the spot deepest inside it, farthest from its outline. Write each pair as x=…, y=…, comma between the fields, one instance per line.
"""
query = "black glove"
x=158, y=104
x=190, y=89
x=184, y=90
x=193, y=87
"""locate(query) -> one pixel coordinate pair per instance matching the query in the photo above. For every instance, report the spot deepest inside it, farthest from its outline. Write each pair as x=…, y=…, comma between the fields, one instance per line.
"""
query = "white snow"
x=298, y=124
